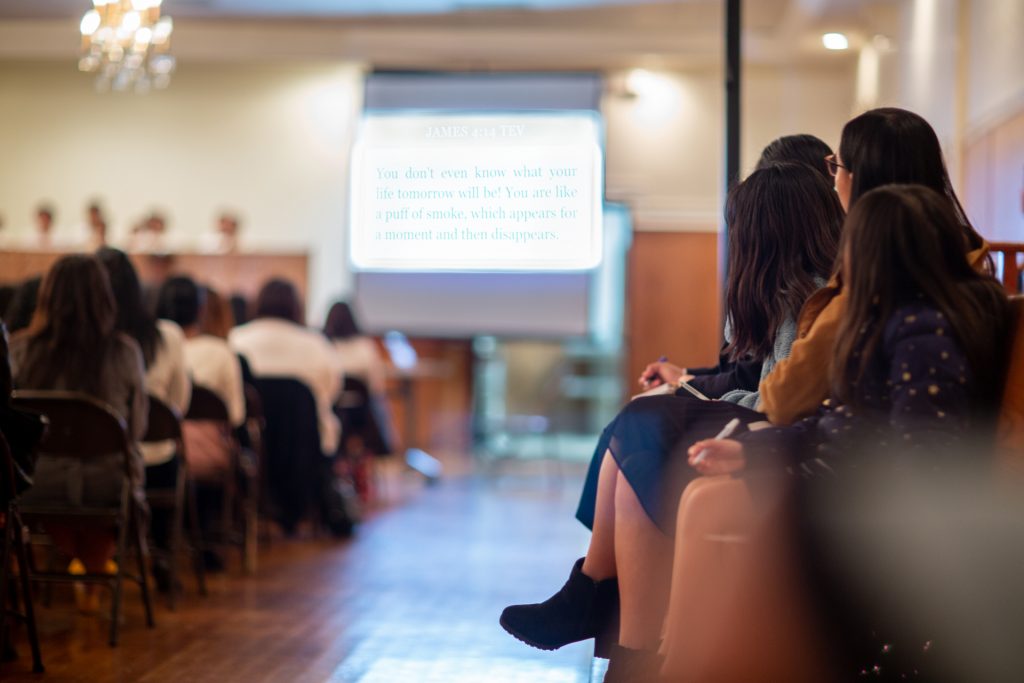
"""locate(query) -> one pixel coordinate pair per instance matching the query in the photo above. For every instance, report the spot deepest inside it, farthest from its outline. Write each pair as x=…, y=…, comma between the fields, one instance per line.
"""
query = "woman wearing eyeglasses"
x=879, y=147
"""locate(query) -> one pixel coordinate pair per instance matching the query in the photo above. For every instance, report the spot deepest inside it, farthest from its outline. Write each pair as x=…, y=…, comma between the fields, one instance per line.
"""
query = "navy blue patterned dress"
x=919, y=406
x=918, y=393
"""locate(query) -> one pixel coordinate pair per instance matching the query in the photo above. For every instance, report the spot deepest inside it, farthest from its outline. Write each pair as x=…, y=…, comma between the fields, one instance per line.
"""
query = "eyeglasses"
x=833, y=165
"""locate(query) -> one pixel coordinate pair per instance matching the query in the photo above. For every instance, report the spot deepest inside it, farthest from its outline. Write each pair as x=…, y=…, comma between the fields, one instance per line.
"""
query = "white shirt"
x=279, y=348
x=360, y=357
x=167, y=379
x=215, y=366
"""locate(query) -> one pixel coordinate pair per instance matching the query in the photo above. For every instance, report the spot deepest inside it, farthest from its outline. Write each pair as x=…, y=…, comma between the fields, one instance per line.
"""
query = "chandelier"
x=125, y=43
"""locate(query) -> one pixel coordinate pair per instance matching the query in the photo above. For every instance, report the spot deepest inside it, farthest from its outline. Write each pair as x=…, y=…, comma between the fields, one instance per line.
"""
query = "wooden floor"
x=415, y=597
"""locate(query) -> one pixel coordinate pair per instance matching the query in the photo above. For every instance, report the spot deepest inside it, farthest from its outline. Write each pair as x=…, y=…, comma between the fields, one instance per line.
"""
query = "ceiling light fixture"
x=835, y=41
x=125, y=43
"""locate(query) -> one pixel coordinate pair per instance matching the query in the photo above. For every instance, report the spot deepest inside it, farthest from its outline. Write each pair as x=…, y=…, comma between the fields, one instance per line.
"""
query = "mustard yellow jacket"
x=797, y=385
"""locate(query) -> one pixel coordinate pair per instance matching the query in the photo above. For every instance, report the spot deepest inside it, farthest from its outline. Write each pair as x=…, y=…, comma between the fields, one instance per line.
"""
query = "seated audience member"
x=784, y=224
x=277, y=344
x=22, y=306
x=916, y=379
x=733, y=379
x=357, y=355
x=163, y=352
x=878, y=147
x=209, y=359
x=213, y=365
x=73, y=345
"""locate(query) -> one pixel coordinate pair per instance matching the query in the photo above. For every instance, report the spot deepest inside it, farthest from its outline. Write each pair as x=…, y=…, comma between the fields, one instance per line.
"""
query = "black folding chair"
x=294, y=463
x=14, y=539
x=239, y=518
x=165, y=425
x=82, y=427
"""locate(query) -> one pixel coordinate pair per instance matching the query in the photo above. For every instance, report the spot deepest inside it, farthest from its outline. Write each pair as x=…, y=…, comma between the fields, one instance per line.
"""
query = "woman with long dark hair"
x=784, y=224
x=916, y=376
x=878, y=147
x=358, y=355
x=163, y=350
x=72, y=345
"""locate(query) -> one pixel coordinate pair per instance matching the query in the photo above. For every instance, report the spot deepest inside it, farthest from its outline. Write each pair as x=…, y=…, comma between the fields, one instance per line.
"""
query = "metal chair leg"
x=142, y=560
x=26, y=595
x=5, y=570
x=196, y=538
x=115, y=602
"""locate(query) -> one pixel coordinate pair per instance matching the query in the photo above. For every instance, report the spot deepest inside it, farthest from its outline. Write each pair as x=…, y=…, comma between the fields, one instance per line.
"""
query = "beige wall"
x=270, y=142
x=664, y=154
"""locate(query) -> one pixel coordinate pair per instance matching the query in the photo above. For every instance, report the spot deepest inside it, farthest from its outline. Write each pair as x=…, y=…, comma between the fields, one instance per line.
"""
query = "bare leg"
x=715, y=515
x=599, y=563
x=748, y=598
x=644, y=559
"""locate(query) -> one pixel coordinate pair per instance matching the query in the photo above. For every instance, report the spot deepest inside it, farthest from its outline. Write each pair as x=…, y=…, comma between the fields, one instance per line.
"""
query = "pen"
x=726, y=432
x=648, y=380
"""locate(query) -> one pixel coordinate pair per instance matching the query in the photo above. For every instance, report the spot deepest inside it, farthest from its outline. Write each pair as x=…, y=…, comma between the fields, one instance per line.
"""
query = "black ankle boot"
x=581, y=610
x=626, y=665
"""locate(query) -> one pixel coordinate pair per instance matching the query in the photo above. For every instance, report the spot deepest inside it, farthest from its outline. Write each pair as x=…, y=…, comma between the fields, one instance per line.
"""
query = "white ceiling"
x=39, y=9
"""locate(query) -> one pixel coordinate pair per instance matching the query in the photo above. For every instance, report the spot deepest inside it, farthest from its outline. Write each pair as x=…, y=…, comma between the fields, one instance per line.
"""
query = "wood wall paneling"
x=672, y=300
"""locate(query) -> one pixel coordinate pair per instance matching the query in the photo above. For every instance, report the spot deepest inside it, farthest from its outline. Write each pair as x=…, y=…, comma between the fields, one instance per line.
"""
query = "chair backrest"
x=1011, y=265
x=164, y=422
x=1011, y=412
x=80, y=425
x=292, y=456
x=290, y=414
x=206, y=405
x=8, y=490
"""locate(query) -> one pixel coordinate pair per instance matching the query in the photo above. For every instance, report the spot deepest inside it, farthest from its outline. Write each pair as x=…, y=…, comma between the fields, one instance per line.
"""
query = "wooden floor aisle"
x=414, y=598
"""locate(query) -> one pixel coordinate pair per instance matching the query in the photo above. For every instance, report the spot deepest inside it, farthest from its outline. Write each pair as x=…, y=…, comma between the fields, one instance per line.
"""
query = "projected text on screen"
x=455, y=192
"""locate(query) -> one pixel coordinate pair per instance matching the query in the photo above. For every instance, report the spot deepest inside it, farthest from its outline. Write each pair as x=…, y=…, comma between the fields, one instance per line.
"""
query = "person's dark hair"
x=72, y=331
x=45, y=209
x=133, y=318
x=341, y=322
x=904, y=241
x=278, y=299
x=6, y=294
x=217, y=318
x=239, y=308
x=784, y=225
x=180, y=300
x=890, y=145
x=23, y=305
x=803, y=148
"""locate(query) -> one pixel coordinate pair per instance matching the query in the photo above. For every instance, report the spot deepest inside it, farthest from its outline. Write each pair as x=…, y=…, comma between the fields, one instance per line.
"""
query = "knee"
x=700, y=510
x=626, y=500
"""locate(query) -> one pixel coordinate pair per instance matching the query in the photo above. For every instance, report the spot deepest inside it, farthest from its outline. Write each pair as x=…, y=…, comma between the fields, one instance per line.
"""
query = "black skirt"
x=648, y=440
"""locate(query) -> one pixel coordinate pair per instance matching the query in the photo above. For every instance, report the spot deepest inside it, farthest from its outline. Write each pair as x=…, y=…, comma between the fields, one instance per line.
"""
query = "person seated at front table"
x=73, y=345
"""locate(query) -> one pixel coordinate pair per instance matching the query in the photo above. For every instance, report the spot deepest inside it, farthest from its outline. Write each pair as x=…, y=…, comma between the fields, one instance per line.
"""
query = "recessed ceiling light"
x=835, y=41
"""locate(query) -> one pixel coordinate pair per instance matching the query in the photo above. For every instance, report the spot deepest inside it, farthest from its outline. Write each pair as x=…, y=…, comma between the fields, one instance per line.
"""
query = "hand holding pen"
x=720, y=455
x=661, y=372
